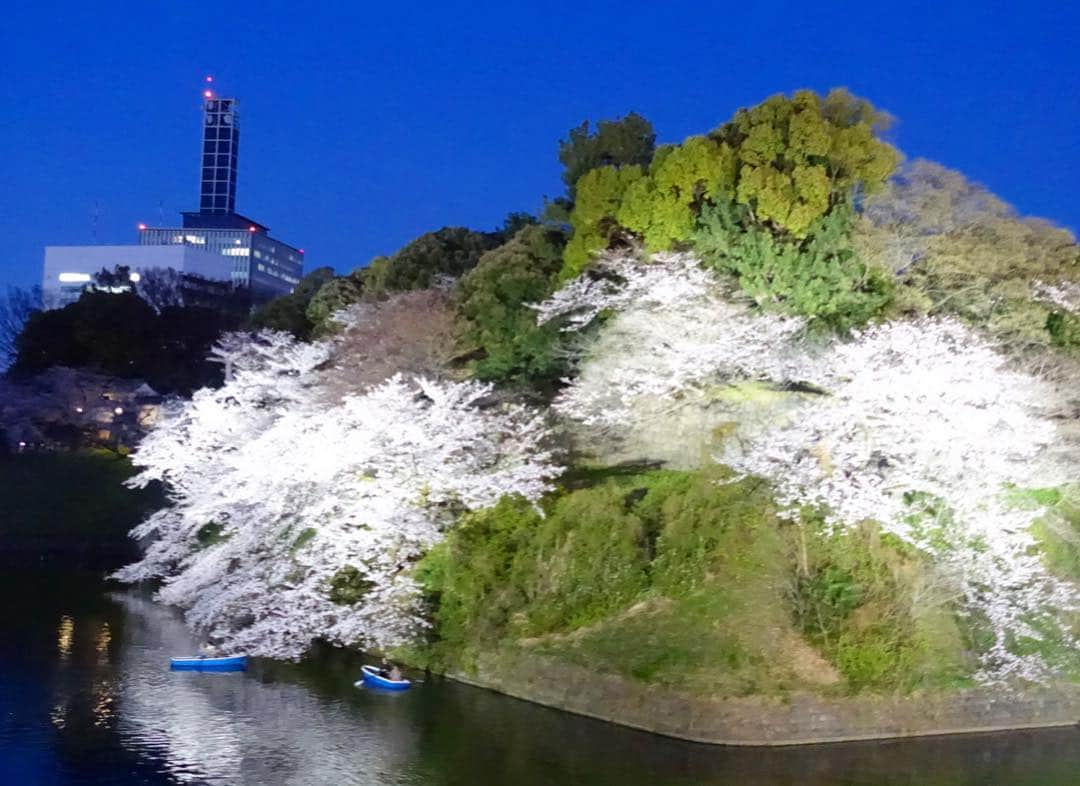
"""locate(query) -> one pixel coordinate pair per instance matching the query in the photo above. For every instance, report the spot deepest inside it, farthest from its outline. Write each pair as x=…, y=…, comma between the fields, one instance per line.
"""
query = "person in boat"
x=209, y=650
x=395, y=674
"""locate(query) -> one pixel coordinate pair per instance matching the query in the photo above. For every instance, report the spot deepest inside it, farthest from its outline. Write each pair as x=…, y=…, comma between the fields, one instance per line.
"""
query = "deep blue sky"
x=364, y=126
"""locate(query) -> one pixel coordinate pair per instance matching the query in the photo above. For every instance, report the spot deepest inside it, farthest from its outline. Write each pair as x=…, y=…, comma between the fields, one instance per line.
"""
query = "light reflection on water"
x=86, y=698
x=207, y=726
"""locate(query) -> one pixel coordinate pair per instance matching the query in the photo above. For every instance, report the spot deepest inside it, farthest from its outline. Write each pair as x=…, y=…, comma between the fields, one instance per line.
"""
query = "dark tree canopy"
x=333, y=296
x=15, y=309
x=289, y=312
x=497, y=325
x=121, y=335
x=449, y=252
x=627, y=141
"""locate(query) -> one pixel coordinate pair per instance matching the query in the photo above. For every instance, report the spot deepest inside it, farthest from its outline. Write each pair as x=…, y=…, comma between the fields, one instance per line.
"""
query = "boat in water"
x=203, y=663
x=377, y=678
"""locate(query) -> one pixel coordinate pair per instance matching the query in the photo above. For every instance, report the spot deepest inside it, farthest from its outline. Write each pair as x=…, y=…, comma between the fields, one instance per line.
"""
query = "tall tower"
x=221, y=140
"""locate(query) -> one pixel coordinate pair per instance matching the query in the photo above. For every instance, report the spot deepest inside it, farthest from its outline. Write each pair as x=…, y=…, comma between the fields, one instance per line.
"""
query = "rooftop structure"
x=214, y=242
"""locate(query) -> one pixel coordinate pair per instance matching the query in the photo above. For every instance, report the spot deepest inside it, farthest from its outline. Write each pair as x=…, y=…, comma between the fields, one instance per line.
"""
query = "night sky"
x=364, y=126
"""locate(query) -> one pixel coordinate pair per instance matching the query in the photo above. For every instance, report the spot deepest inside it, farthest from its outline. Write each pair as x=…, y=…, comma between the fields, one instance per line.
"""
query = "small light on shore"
x=119, y=410
x=79, y=410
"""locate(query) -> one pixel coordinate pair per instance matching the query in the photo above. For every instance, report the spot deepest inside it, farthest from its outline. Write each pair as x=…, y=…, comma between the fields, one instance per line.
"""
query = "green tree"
x=627, y=141
x=515, y=222
x=797, y=157
x=957, y=248
x=662, y=208
x=599, y=195
x=496, y=324
x=451, y=251
x=788, y=162
x=121, y=335
x=289, y=312
x=821, y=277
x=333, y=296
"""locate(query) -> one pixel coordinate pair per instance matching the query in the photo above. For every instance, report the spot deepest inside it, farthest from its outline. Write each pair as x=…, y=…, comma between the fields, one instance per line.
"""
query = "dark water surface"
x=86, y=698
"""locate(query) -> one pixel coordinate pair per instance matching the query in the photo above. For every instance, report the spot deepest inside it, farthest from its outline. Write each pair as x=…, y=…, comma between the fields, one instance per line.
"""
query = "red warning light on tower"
x=209, y=79
x=142, y=227
x=208, y=93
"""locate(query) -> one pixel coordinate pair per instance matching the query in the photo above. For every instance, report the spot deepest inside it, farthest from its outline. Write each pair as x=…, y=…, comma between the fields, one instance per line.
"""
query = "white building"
x=69, y=269
x=215, y=243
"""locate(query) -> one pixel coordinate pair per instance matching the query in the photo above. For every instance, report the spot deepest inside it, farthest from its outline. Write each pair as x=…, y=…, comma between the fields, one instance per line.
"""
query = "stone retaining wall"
x=799, y=720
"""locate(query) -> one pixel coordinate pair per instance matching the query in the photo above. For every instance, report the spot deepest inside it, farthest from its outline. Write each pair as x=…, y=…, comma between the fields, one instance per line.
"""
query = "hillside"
x=766, y=414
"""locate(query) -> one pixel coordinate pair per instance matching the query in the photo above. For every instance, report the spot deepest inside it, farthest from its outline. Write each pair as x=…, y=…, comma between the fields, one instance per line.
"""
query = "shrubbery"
x=704, y=558
x=820, y=277
x=497, y=326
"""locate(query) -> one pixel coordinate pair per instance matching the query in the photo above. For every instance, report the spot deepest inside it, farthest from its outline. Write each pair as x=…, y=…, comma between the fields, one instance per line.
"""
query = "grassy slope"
x=690, y=581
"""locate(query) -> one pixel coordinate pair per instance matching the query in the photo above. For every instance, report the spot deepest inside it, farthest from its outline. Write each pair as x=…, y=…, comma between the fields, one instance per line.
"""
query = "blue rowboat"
x=238, y=663
x=375, y=679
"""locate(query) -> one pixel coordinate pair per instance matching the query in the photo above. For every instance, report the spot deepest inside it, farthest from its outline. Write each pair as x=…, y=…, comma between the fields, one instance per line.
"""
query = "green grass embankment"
x=691, y=581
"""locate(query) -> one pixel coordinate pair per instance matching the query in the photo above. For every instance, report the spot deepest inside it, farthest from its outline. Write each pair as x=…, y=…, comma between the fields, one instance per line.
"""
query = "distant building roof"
x=197, y=220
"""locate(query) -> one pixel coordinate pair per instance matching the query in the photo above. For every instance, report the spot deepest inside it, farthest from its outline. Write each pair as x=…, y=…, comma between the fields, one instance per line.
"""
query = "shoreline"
x=766, y=722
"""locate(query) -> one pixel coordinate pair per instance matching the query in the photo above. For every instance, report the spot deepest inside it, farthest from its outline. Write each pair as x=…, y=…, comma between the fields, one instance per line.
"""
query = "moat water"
x=86, y=697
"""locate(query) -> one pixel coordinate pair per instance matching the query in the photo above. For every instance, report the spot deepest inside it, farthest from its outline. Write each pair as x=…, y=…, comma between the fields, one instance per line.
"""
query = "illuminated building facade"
x=213, y=243
x=263, y=265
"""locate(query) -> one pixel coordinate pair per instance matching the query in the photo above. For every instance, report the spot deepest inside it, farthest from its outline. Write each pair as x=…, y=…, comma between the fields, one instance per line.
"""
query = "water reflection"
x=64, y=636
x=86, y=697
x=231, y=728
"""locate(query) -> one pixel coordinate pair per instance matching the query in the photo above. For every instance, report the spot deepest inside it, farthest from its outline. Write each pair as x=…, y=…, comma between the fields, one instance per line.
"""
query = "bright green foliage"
x=472, y=577
x=790, y=163
x=821, y=277
x=600, y=192
x=662, y=208
x=857, y=600
x=289, y=312
x=689, y=580
x=497, y=326
x=1064, y=329
x=798, y=157
x=304, y=538
x=1057, y=531
x=628, y=141
x=349, y=585
x=451, y=251
x=1055, y=633
x=333, y=296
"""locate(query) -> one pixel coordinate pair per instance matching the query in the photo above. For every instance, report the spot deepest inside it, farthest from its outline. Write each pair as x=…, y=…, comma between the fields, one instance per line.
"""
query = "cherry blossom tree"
x=297, y=518
x=899, y=413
